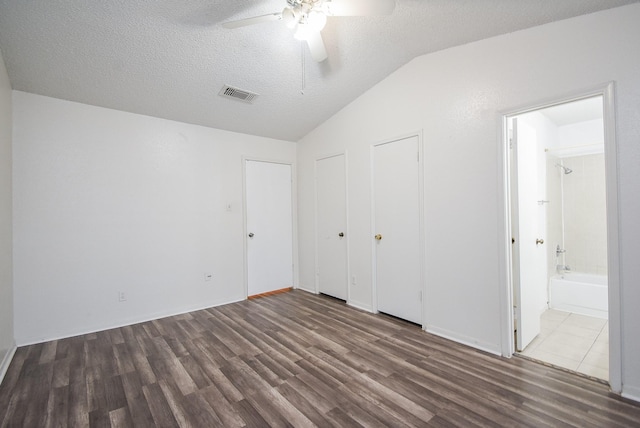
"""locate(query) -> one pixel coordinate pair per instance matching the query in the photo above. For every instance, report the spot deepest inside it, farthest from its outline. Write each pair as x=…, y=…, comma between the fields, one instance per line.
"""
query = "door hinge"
x=418, y=156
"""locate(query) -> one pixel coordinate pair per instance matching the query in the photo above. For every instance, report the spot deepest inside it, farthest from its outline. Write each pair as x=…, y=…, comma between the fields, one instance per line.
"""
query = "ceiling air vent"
x=237, y=94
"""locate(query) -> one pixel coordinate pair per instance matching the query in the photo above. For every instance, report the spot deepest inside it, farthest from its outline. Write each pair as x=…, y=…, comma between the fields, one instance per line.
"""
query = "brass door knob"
x=341, y=234
x=539, y=241
x=251, y=235
x=378, y=237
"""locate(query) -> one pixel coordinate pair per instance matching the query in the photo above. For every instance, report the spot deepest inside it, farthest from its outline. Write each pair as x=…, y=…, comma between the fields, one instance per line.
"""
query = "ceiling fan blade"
x=316, y=46
x=359, y=7
x=253, y=21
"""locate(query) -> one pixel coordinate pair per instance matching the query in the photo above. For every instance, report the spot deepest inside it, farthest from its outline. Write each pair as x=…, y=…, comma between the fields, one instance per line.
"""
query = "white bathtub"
x=580, y=293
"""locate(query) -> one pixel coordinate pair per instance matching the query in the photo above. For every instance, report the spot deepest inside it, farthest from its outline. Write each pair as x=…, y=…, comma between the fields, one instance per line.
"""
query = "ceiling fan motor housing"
x=311, y=3
x=308, y=18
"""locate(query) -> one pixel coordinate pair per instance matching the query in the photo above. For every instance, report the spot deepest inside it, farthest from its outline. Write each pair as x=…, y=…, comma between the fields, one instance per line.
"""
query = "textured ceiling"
x=170, y=58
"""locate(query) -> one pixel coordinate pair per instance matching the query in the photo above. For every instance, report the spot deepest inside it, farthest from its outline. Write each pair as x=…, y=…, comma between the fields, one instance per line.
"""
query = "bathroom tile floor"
x=575, y=342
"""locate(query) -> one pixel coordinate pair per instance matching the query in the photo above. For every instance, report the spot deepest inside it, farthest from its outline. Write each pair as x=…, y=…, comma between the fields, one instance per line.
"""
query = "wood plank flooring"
x=293, y=359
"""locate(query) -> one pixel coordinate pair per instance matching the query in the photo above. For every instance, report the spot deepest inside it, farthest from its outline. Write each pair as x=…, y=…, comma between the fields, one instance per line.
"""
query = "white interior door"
x=529, y=278
x=397, y=228
x=331, y=218
x=269, y=226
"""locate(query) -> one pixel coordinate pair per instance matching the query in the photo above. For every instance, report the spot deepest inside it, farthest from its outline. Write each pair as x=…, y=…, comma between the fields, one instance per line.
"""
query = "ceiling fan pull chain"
x=303, y=67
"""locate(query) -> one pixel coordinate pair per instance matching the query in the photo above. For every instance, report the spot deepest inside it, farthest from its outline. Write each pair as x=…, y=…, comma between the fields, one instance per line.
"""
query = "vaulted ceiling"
x=170, y=58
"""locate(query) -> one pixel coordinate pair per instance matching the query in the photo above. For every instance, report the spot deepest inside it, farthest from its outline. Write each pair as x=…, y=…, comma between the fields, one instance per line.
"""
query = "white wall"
x=581, y=134
x=7, y=344
x=456, y=96
x=578, y=139
x=108, y=201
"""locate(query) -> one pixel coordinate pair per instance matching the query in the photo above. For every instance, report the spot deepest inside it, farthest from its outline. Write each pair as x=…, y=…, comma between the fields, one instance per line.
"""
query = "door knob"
x=378, y=237
x=341, y=234
x=251, y=235
x=539, y=241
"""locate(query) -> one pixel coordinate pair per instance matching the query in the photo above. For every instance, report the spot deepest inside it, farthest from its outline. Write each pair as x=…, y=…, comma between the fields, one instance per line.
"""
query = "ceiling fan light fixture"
x=317, y=20
x=290, y=17
x=308, y=17
x=302, y=31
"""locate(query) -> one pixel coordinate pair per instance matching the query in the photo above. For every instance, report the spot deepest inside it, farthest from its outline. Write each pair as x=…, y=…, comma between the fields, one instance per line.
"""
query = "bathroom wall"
x=582, y=197
x=585, y=215
x=577, y=199
x=554, y=213
x=582, y=134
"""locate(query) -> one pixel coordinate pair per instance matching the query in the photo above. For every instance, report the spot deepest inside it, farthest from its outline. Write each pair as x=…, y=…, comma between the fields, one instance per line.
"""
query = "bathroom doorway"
x=558, y=210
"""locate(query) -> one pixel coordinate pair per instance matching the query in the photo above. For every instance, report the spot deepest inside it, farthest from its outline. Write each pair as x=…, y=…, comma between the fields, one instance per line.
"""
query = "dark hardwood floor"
x=292, y=359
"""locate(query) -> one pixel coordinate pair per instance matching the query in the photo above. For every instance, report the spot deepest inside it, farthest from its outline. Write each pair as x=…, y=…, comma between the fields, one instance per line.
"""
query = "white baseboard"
x=361, y=306
x=6, y=360
x=491, y=348
x=631, y=392
x=308, y=290
x=131, y=321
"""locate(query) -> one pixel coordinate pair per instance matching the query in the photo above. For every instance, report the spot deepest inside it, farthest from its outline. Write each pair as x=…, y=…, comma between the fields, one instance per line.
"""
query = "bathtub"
x=580, y=293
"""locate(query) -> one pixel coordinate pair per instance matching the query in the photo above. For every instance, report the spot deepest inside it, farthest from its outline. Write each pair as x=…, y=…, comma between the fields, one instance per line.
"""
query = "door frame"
x=421, y=221
x=607, y=91
x=346, y=218
x=294, y=218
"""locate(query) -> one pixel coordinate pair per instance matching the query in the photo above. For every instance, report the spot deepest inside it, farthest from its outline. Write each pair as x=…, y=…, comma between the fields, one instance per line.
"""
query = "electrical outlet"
x=208, y=276
x=121, y=296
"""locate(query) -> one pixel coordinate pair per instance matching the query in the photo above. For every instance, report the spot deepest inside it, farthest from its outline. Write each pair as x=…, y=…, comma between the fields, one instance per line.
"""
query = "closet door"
x=331, y=223
x=396, y=187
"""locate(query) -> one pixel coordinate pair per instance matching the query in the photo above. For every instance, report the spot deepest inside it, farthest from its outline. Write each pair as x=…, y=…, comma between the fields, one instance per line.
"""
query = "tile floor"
x=572, y=341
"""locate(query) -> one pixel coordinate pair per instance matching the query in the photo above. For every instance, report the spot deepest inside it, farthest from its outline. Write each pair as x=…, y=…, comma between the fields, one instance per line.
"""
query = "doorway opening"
x=558, y=210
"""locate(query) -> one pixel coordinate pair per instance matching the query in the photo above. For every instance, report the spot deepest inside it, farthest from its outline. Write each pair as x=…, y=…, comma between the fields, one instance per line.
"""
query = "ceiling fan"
x=308, y=18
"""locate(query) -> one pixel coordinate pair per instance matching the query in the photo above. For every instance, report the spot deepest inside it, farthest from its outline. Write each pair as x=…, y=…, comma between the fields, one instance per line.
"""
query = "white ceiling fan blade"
x=316, y=46
x=359, y=7
x=253, y=21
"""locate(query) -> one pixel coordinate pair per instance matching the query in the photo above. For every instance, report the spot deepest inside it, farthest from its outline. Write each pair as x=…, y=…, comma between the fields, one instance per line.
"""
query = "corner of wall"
x=6, y=361
x=7, y=335
x=632, y=393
